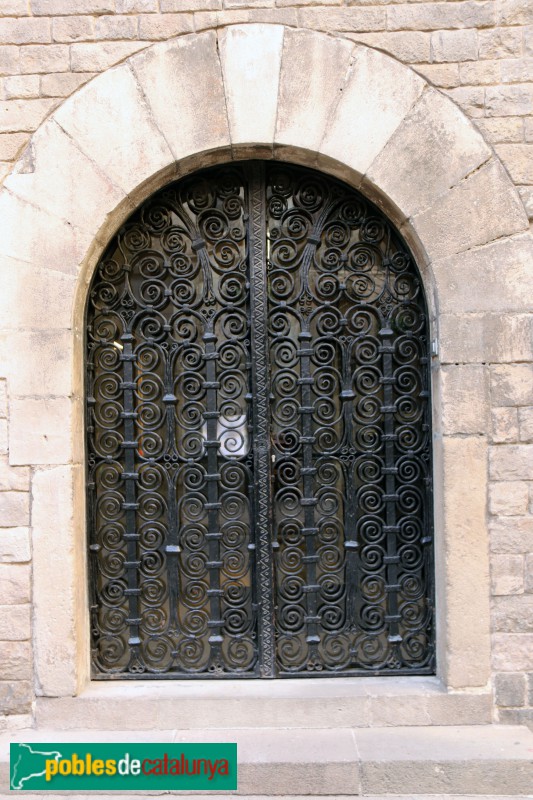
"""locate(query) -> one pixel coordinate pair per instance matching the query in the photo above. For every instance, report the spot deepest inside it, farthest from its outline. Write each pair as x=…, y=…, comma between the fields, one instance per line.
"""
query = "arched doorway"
x=258, y=427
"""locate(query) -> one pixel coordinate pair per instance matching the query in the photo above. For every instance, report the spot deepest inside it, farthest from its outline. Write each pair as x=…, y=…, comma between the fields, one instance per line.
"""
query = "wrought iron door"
x=258, y=434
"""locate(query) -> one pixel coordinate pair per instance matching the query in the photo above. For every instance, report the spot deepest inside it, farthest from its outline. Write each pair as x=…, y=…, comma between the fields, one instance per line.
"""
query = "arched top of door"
x=255, y=91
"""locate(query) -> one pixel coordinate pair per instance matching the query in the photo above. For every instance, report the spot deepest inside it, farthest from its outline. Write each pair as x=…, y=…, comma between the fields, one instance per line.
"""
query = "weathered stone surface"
x=507, y=574
x=512, y=535
x=513, y=614
x=58, y=633
x=3, y=399
x=40, y=431
x=98, y=56
x=464, y=563
x=442, y=75
x=126, y=144
x=47, y=356
x=154, y=27
x=431, y=151
x=487, y=205
x=480, y=72
x=509, y=498
x=14, y=584
x=485, y=338
x=14, y=509
x=307, y=92
x=512, y=385
x=510, y=689
x=255, y=51
x=34, y=293
x=375, y=99
x=15, y=661
x=14, y=545
x=182, y=82
x=505, y=101
x=24, y=115
x=15, y=623
x=511, y=462
x=465, y=399
x=512, y=651
x=72, y=29
x=526, y=193
x=500, y=43
x=470, y=98
x=22, y=86
x=454, y=45
x=62, y=84
x=502, y=129
x=15, y=697
x=489, y=278
x=44, y=58
x=518, y=158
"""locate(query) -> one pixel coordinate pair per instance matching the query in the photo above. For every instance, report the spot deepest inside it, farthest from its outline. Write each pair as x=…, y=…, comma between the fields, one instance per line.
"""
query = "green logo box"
x=119, y=767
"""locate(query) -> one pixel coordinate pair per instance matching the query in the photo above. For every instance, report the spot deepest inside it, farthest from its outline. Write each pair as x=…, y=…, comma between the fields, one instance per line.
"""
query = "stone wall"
x=481, y=55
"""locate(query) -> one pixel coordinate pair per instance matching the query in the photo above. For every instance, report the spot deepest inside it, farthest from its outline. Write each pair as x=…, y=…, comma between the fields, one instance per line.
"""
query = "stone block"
x=470, y=98
x=509, y=101
x=15, y=697
x=488, y=206
x=47, y=356
x=187, y=5
x=511, y=535
x=35, y=236
x=52, y=169
x=442, y=75
x=528, y=570
x=504, y=129
x=500, y=43
x=530, y=689
x=516, y=716
x=14, y=584
x=343, y=19
x=489, y=278
x=511, y=462
x=126, y=144
x=254, y=51
x=518, y=158
x=40, y=432
x=14, y=545
x=34, y=291
x=118, y=27
x=15, y=623
x=516, y=12
x=526, y=194
x=510, y=689
x=9, y=60
x=13, y=8
x=525, y=422
x=11, y=144
x=72, y=29
x=512, y=614
x=62, y=84
x=433, y=149
x=190, y=112
x=21, y=86
x=24, y=30
x=512, y=384
x=163, y=26
x=509, y=498
x=3, y=398
x=99, y=56
x=514, y=70
x=512, y=651
x=44, y=58
x=24, y=115
x=493, y=338
x=14, y=509
x=465, y=399
x=376, y=97
x=307, y=92
x=411, y=47
x=15, y=661
x=507, y=574
x=3, y=437
x=479, y=72
x=465, y=564
x=58, y=8
x=141, y=6
x=58, y=634
x=454, y=45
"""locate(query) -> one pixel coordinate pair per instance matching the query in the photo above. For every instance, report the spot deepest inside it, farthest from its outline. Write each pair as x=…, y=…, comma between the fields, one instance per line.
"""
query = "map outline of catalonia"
x=49, y=754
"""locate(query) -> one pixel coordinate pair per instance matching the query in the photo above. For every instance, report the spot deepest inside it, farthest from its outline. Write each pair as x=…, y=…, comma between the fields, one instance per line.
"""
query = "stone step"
x=482, y=761
x=309, y=703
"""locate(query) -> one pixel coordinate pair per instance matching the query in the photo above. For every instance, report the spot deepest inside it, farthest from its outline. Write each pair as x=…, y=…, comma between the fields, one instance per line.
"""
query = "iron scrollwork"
x=259, y=451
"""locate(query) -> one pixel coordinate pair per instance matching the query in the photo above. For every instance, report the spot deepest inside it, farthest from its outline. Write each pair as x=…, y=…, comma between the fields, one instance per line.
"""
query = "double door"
x=259, y=472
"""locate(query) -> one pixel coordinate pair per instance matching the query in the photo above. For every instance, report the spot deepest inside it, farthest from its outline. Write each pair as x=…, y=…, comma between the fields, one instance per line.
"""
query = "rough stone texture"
x=14, y=544
x=465, y=399
x=509, y=498
x=510, y=689
x=507, y=574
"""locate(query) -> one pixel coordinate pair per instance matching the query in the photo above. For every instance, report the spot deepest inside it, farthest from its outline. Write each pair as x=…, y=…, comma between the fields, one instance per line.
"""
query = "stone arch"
x=184, y=104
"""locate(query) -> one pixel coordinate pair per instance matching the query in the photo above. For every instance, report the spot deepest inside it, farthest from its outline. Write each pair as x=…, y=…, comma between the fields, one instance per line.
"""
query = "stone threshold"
x=473, y=760
x=305, y=703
